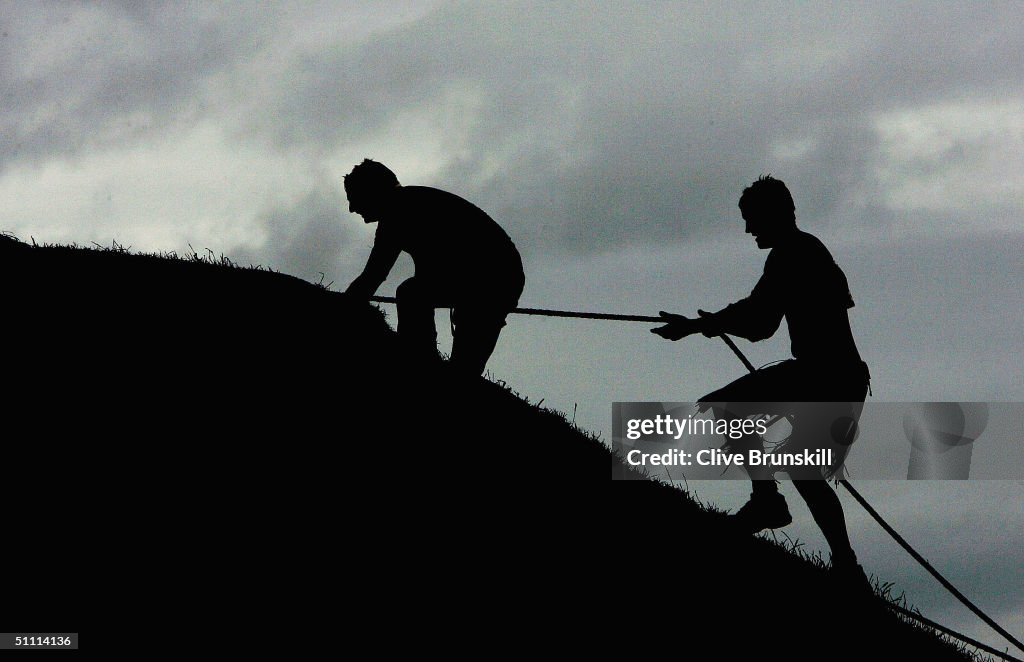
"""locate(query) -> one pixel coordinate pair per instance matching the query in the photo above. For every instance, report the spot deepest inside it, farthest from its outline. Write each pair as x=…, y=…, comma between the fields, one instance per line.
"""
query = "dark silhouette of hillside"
x=237, y=450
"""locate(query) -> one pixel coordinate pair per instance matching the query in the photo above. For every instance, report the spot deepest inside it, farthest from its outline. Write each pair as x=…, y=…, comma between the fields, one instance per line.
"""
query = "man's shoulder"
x=808, y=241
x=431, y=195
x=800, y=254
x=442, y=206
x=806, y=260
x=801, y=245
x=438, y=201
x=420, y=191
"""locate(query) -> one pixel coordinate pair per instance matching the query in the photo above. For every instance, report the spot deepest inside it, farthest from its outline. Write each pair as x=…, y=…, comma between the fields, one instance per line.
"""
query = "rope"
x=738, y=353
x=555, y=313
x=927, y=566
x=856, y=495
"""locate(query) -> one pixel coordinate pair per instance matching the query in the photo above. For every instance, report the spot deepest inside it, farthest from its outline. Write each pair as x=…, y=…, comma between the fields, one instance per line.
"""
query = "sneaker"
x=763, y=512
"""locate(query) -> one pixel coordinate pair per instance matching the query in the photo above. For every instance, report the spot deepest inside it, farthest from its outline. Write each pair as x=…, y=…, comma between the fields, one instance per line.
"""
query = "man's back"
x=811, y=291
x=452, y=241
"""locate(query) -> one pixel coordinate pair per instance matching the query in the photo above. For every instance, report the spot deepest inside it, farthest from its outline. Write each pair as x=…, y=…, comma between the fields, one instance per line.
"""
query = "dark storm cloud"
x=643, y=122
x=77, y=76
x=586, y=127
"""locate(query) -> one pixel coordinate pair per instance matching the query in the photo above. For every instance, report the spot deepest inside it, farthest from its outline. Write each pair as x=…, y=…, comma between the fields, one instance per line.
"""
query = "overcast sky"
x=612, y=141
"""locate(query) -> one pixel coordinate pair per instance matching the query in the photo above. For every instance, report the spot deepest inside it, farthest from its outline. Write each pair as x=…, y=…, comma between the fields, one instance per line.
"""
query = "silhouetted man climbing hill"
x=804, y=285
x=463, y=259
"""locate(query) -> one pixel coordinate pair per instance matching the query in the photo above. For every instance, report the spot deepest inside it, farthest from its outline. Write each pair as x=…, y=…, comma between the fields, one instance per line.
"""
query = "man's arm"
x=382, y=258
x=744, y=318
x=756, y=317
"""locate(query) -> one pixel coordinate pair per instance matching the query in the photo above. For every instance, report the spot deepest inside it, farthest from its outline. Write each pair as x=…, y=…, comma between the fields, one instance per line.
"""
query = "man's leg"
x=831, y=426
x=416, y=318
x=821, y=498
x=475, y=337
x=827, y=511
x=767, y=508
x=477, y=323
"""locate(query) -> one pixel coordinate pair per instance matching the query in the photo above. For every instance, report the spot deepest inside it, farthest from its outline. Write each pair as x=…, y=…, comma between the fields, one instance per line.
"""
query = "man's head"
x=768, y=209
x=369, y=187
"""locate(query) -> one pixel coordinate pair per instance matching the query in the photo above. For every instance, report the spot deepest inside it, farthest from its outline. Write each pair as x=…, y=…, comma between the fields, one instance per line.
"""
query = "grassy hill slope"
x=239, y=448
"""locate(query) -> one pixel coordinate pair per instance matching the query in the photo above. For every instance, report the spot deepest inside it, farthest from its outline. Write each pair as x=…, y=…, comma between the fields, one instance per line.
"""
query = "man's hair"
x=771, y=196
x=370, y=177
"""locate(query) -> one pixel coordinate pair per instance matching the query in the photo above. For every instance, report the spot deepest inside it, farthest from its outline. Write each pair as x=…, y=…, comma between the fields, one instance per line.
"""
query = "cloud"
x=950, y=157
x=579, y=129
x=160, y=193
x=87, y=76
x=76, y=77
x=306, y=236
x=592, y=130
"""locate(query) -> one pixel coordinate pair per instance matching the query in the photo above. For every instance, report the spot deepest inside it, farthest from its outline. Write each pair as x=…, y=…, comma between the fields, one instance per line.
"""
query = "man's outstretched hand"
x=676, y=326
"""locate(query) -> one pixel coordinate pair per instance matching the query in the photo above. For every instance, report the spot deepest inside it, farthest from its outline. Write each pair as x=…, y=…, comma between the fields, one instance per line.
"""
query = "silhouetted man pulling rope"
x=463, y=260
x=803, y=284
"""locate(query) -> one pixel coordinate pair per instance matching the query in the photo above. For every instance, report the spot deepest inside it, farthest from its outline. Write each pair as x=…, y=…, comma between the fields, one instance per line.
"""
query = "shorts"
x=822, y=401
